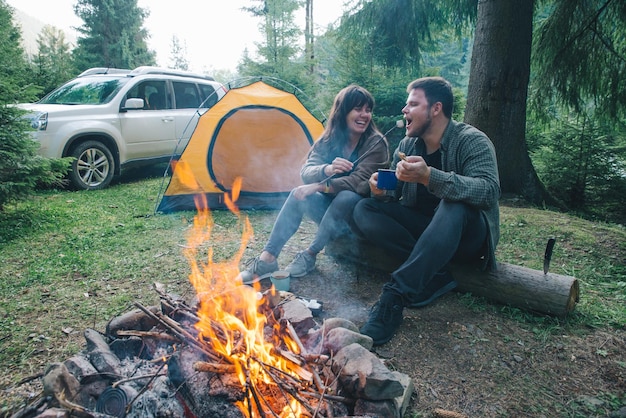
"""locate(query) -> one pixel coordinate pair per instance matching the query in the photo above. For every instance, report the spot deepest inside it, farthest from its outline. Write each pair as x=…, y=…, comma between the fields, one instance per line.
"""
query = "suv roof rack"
x=103, y=70
x=146, y=69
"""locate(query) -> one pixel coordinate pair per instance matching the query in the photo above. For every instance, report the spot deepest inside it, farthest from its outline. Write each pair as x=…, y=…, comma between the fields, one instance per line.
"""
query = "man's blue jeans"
x=457, y=232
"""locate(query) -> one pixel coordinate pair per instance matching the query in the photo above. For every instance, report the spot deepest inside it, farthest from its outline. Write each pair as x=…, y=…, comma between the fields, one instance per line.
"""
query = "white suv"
x=110, y=119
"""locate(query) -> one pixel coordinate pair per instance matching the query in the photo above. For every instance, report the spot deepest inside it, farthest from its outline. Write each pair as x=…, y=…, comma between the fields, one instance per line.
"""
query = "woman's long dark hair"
x=336, y=132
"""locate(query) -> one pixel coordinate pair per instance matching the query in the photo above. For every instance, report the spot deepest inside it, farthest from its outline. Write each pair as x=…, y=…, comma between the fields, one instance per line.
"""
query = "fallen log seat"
x=511, y=285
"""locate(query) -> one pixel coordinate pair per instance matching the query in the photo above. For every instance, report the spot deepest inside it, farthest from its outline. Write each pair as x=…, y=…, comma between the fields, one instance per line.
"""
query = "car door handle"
x=167, y=119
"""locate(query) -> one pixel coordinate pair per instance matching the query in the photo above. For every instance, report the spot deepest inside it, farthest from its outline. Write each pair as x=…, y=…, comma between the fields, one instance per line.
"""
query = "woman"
x=335, y=177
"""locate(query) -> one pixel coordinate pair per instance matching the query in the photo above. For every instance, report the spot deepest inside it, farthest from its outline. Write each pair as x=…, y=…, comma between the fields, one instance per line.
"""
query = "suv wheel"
x=93, y=166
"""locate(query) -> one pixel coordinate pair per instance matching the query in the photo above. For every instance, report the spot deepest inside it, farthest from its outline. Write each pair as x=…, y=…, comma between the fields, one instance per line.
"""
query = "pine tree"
x=21, y=169
x=112, y=35
x=279, y=52
x=53, y=63
x=178, y=55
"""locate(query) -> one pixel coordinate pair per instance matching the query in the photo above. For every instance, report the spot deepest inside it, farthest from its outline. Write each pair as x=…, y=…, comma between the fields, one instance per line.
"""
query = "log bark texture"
x=517, y=286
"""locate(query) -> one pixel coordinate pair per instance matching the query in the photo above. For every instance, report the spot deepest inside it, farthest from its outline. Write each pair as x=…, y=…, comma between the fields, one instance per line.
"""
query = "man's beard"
x=424, y=128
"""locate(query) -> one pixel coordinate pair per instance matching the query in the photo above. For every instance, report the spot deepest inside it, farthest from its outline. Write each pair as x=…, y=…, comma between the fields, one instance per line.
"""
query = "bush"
x=21, y=169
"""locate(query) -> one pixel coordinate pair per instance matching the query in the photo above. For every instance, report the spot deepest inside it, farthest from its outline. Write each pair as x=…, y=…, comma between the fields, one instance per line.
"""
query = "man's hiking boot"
x=385, y=318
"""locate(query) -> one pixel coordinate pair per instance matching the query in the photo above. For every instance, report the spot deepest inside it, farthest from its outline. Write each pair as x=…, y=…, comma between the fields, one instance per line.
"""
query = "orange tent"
x=259, y=133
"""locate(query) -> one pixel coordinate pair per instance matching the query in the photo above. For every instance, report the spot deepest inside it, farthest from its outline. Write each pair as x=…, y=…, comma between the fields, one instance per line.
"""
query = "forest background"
x=542, y=78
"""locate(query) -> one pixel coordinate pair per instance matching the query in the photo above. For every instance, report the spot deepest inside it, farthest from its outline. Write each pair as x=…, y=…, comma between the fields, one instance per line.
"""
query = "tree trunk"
x=309, y=35
x=497, y=91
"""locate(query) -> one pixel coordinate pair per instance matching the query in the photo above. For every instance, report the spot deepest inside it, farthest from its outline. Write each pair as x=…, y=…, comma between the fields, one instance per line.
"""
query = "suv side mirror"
x=134, y=103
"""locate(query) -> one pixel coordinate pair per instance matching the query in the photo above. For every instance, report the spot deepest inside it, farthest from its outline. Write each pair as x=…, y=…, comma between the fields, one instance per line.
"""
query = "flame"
x=231, y=316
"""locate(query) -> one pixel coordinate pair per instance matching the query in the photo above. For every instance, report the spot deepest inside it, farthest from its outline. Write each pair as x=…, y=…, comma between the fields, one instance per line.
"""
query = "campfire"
x=234, y=351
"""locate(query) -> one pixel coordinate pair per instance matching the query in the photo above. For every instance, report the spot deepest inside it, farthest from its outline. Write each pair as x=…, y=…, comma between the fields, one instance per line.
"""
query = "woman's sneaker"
x=257, y=269
x=302, y=264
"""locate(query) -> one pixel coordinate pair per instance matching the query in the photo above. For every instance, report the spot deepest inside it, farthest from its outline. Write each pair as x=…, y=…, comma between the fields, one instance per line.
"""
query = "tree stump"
x=517, y=286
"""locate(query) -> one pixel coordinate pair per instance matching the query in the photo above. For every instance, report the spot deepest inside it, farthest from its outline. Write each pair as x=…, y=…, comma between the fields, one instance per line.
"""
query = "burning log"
x=221, y=368
x=521, y=287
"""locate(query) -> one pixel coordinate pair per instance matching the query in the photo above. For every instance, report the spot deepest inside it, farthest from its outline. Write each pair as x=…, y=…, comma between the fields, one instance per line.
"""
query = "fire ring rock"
x=363, y=375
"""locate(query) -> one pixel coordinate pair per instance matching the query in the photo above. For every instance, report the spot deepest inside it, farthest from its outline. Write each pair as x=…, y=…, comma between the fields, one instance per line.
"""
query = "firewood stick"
x=202, y=366
x=315, y=358
x=318, y=381
x=74, y=409
x=285, y=375
x=294, y=392
x=294, y=336
x=146, y=386
x=327, y=389
x=147, y=334
x=286, y=388
x=442, y=413
x=255, y=395
x=296, y=395
x=334, y=398
x=296, y=365
x=180, y=332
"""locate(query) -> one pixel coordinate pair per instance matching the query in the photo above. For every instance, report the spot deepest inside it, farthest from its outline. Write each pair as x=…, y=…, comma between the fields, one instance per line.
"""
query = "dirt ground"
x=475, y=359
x=478, y=362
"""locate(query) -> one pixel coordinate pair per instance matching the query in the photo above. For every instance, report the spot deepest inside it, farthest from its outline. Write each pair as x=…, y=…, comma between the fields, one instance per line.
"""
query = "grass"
x=72, y=260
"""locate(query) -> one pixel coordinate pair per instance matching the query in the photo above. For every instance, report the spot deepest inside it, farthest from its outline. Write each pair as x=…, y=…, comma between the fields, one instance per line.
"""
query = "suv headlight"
x=39, y=121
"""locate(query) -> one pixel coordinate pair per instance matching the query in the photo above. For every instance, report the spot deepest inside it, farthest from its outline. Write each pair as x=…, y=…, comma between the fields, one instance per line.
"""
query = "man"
x=444, y=207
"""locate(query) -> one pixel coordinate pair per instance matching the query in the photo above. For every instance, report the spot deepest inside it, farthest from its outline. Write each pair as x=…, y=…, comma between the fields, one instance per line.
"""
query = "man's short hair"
x=436, y=89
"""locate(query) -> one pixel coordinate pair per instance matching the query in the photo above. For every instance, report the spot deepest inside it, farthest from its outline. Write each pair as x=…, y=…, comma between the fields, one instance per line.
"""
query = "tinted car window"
x=153, y=94
x=89, y=90
x=186, y=95
x=209, y=95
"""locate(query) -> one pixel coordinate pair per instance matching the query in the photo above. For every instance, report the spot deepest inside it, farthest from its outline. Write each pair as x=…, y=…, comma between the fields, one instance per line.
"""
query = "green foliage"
x=397, y=32
x=112, y=35
x=21, y=169
x=53, y=64
x=279, y=51
x=15, y=74
x=580, y=55
x=580, y=160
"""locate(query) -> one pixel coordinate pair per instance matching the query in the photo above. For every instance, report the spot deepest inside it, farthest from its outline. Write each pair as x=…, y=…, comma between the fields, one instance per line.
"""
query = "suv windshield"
x=88, y=90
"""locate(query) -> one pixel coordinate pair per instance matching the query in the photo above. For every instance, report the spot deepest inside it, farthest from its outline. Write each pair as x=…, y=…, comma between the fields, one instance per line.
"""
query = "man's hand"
x=413, y=170
x=373, y=181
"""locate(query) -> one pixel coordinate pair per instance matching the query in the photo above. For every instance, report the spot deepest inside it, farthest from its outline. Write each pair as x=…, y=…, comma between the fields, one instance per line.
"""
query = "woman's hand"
x=413, y=170
x=301, y=192
x=338, y=166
